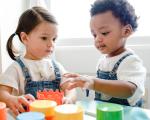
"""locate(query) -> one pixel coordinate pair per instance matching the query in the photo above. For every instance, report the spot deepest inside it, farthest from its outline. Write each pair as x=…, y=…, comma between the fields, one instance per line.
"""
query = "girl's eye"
x=44, y=38
x=105, y=33
x=54, y=39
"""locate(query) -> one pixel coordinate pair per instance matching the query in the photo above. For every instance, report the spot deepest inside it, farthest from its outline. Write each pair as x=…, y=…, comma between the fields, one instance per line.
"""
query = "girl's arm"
x=10, y=100
x=70, y=96
x=15, y=103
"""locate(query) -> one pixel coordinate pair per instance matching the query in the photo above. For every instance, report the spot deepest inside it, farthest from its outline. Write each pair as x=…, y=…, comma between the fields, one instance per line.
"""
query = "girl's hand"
x=67, y=80
x=17, y=103
x=71, y=81
x=67, y=100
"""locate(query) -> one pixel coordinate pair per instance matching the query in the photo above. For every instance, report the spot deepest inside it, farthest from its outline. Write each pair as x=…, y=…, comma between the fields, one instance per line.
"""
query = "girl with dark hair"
x=37, y=30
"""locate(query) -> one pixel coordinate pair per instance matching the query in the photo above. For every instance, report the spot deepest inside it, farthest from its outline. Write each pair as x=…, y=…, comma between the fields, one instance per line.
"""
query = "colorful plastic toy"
x=56, y=96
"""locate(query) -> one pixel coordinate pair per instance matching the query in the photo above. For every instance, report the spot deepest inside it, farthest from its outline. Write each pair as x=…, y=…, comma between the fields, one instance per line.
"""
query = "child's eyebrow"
x=45, y=34
x=103, y=27
x=48, y=35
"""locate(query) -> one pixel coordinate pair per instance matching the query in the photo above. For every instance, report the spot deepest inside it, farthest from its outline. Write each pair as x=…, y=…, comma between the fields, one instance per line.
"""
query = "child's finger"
x=64, y=85
x=71, y=85
x=70, y=75
x=20, y=108
x=15, y=110
x=66, y=81
x=29, y=97
x=66, y=100
x=22, y=100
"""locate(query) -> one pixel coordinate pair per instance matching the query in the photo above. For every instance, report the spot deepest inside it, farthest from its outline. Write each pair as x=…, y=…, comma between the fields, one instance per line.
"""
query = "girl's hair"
x=121, y=9
x=27, y=22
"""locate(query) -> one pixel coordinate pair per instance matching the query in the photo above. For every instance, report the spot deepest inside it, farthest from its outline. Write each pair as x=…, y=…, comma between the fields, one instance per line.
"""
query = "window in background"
x=73, y=17
x=42, y=3
x=10, y=11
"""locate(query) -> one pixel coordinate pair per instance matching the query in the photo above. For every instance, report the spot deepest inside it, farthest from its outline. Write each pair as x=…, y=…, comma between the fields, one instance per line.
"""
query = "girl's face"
x=40, y=41
x=109, y=34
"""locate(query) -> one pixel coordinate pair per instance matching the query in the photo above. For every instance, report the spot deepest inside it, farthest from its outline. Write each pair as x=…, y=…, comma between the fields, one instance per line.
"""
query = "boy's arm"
x=115, y=88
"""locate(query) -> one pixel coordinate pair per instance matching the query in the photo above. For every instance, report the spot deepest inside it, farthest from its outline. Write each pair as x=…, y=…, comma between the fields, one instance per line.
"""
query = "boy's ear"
x=24, y=37
x=127, y=30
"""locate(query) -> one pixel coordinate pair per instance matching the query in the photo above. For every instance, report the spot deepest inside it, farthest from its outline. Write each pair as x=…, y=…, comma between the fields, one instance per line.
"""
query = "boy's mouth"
x=101, y=46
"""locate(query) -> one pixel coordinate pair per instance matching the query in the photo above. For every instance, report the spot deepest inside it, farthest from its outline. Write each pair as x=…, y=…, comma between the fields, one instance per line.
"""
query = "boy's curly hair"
x=121, y=9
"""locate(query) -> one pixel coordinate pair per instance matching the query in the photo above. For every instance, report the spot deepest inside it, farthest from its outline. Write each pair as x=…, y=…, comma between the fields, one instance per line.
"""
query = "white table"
x=130, y=113
x=86, y=117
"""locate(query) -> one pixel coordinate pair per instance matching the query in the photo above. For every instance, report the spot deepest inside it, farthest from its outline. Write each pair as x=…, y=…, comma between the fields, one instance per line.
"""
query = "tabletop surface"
x=130, y=113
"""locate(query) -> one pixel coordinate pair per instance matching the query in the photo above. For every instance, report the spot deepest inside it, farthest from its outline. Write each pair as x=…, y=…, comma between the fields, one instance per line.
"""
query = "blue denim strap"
x=112, y=75
x=24, y=69
x=57, y=71
x=119, y=61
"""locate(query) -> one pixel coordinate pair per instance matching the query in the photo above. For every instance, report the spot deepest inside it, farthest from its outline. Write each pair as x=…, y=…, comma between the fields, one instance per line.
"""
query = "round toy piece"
x=68, y=112
x=109, y=111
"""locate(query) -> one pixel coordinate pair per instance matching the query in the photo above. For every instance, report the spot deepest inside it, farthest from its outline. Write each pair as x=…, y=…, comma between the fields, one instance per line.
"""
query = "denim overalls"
x=112, y=75
x=33, y=86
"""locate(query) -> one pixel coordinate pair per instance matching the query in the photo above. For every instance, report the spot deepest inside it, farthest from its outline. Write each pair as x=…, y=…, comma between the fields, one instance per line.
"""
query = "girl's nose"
x=50, y=43
x=99, y=38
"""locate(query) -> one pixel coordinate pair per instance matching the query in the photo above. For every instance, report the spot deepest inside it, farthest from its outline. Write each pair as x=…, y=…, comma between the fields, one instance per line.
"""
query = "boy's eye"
x=94, y=35
x=105, y=33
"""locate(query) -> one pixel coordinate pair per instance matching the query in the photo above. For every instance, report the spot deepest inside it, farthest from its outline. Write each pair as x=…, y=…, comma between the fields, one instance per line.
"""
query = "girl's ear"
x=127, y=30
x=24, y=37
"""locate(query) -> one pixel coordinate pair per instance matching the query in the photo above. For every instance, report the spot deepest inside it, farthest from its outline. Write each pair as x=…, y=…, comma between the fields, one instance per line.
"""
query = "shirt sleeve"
x=131, y=69
x=10, y=77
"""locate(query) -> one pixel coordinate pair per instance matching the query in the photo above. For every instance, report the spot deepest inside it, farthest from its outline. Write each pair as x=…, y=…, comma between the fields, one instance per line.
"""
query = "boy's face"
x=108, y=33
x=40, y=41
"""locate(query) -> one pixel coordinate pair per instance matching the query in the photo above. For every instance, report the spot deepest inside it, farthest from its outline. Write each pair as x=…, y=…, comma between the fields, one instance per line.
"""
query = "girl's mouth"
x=49, y=51
x=101, y=46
